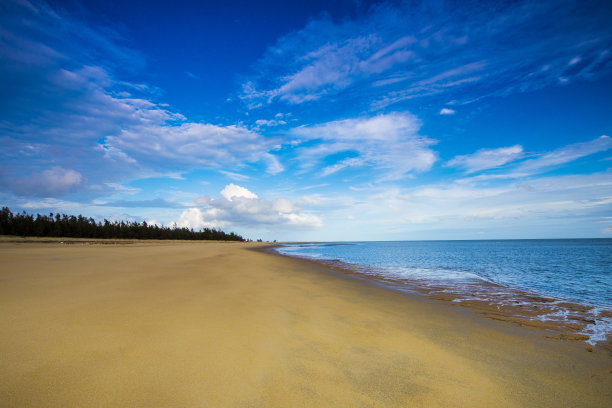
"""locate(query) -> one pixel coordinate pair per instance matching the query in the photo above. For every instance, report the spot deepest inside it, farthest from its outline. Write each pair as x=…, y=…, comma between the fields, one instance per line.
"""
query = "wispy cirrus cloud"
x=408, y=50
x=335, y=66
x=234, y=176
x=566, y=154
x=485, y=159
x=489, y=159
x=390, y=144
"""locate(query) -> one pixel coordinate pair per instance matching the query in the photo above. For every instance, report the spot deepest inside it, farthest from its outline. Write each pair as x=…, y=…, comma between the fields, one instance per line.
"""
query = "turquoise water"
x=574, y=270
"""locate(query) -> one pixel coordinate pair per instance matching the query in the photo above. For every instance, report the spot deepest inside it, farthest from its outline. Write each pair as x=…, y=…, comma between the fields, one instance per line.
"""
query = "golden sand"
x=218, y=325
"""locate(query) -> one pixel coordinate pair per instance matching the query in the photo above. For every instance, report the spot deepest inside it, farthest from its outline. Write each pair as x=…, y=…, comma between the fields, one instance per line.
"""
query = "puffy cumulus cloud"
x=447, y=111
x=232, y=190
x=239, y=207
x=53, y=182
x=390, y=143
x=404, y=50
x=485, y=159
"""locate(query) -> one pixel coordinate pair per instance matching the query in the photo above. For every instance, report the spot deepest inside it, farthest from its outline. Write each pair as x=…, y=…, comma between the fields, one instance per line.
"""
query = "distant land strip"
x=70, y=226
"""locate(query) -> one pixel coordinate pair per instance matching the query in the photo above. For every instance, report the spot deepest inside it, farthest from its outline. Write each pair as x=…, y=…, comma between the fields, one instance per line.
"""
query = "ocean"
x=568, y=281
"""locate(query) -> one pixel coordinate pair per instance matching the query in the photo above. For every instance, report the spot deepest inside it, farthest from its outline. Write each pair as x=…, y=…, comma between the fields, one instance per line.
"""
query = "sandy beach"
x=182, y=324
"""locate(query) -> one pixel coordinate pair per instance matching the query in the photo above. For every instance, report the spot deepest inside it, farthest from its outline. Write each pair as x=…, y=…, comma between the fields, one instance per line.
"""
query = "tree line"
x=70, y=226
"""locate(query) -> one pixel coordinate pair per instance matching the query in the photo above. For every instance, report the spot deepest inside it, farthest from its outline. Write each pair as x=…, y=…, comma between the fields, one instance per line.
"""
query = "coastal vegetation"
x=70, y=226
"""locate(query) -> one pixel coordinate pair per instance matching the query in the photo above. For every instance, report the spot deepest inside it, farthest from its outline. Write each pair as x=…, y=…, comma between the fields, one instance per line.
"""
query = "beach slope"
x=175, y=324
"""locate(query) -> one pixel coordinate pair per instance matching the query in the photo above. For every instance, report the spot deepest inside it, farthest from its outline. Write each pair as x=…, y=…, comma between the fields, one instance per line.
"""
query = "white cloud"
x=52, y=203
x=53, y=182
x=240, y=207
x=334, y=66
x=192, y=143
x=485, y=159
x=154, y=222
x=273, y=165
x=232, y=190
x=313, y=186
x=283, y=206
x=270, y=123
x=390, y=143
x=447, y=111
x=544, y=162
x=234, y=176
x=331, y=68
x=352, y=162
x=303, y=220
x=123, y=189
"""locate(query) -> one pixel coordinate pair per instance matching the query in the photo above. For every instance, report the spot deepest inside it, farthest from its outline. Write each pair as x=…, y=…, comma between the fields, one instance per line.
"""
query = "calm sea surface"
x=576, y=270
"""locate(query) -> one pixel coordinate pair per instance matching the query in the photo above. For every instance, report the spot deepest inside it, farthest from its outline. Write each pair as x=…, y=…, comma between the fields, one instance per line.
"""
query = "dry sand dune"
x=217, y=325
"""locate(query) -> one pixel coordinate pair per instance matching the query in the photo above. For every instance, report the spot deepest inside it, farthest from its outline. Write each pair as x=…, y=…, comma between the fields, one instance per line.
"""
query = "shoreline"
x=214, y=324
x=508, y=304
x=13, y=239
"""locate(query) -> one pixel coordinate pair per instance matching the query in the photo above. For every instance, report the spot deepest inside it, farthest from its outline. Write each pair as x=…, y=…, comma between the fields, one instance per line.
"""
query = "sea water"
x=564, y=270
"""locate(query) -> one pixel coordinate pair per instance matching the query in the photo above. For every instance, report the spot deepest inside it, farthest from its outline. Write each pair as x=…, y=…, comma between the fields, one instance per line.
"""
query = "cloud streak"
x=389, y=143
x=566, y=154
x=485, y=159
x=488, y=159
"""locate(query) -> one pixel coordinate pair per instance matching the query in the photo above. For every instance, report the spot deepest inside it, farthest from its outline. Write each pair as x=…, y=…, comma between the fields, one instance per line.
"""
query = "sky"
x=312, y=120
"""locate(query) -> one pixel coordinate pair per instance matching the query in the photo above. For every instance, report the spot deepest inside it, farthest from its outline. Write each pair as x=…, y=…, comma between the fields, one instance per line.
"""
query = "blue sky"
x=331, y=120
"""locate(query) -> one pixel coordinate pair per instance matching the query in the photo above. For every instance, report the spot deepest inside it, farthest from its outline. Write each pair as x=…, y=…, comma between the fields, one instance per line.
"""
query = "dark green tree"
x=63, y=225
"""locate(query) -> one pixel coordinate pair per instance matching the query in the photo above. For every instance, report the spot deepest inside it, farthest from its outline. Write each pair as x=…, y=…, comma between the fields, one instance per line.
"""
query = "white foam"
x=597, y=332
x=600, y=330
x=429, y=274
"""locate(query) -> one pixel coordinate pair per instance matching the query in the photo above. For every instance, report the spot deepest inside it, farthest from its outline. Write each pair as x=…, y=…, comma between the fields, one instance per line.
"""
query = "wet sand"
x=558, y=318
x=216, y=324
